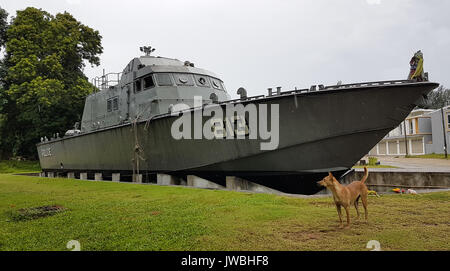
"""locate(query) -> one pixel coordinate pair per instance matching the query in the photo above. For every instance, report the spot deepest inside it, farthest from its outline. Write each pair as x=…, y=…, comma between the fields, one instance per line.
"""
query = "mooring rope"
x=138, y=150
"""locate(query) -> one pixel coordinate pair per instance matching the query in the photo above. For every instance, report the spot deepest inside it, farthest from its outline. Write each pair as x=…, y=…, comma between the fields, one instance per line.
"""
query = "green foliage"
x=3, y=26
x=429, y=156
x=437, y=98
x=44, y=84
x=13, y=166
x=373, y=161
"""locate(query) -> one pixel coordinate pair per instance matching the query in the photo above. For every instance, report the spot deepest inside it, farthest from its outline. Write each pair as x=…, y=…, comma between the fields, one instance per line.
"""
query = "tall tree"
x=45, y=85
x=3, y=26
x=437, y=98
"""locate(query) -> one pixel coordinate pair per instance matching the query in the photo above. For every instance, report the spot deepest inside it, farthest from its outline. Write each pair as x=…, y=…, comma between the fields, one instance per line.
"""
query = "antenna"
x=147, y=50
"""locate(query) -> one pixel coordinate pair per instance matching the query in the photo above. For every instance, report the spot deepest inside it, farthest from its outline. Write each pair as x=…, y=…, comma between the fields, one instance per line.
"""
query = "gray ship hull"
x=319, y=132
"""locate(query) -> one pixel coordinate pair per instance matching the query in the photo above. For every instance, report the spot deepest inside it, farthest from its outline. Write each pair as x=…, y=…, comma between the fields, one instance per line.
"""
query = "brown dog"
x=344, y=196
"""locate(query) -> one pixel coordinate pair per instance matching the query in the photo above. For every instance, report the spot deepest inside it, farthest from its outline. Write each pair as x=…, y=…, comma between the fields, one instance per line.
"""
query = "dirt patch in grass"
x=35, y=212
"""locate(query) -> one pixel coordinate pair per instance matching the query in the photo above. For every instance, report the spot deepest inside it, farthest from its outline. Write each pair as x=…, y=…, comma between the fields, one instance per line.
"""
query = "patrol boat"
x=127, y=127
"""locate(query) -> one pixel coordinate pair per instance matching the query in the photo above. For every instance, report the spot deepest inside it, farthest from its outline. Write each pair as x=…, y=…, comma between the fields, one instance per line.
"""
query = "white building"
x=424, y=134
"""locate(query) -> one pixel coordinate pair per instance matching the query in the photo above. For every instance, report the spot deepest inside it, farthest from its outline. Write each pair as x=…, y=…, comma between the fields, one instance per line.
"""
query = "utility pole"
x=406, y=139
x=445, y=133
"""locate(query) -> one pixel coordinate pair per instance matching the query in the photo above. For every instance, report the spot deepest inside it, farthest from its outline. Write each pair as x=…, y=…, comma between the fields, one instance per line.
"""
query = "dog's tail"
x=366, y=174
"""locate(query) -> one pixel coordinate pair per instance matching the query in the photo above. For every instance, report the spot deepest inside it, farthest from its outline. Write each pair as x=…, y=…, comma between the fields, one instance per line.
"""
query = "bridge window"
x=164, y=79
x=116, y=104
x=112, y=104
x=201, y=81
x=216, y=83
x=148, y=82
x=183, y=79
x=137, y=85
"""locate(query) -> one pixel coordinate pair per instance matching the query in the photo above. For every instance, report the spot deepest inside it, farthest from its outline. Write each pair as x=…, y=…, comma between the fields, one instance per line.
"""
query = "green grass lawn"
x=11, y=166
x=429, y=156
x=376, y=166
x=123, y=216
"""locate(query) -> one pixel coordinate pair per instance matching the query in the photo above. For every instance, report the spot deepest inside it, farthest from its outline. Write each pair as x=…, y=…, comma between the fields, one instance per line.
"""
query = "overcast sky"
x=259, y=44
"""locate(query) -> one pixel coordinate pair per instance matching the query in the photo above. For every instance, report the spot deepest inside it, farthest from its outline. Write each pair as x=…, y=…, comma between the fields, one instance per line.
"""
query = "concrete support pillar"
x=83, y=176
x=165, y=179
x=196, y=181
x=116, y=177
x=70, y=175
x=41, y=174
x=98, y=177
x=137, y=178
x=51, y=174
x=236, y=183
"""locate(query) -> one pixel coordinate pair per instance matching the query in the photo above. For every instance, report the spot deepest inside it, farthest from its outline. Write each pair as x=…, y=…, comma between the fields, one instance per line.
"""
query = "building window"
x=148, y=82
x=401, y=128
x=164, y=79
x=411, y=128
x=448, y=121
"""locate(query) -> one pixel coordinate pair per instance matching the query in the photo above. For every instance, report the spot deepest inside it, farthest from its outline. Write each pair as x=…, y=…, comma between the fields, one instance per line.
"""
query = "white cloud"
x=73, y=2
x=373, y=2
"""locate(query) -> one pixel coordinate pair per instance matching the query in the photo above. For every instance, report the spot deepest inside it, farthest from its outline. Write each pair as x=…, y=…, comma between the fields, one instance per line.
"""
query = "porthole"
x=184, y=79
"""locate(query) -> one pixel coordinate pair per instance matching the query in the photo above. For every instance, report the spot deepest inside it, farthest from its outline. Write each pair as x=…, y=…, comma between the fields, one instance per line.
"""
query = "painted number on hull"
x=46, y=152
x=221, y=128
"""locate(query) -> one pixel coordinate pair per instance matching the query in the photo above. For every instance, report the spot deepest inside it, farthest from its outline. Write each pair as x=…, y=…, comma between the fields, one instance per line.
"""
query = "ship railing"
x=369, y=84
x=107, y=80
x=315, y=88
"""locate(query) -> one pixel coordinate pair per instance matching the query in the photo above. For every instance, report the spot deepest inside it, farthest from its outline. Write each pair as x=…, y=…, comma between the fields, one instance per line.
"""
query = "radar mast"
x=147, y=50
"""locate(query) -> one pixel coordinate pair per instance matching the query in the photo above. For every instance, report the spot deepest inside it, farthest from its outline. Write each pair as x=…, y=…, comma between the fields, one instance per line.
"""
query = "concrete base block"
x=70, y=175
x=196, y=181
x=116, y=177
x=83, y=176
x=51, y=174
x=165, y=179
x=41, y=174
x=236, y=183
x=408, y=178
x=98, y=177
x=137, y=178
